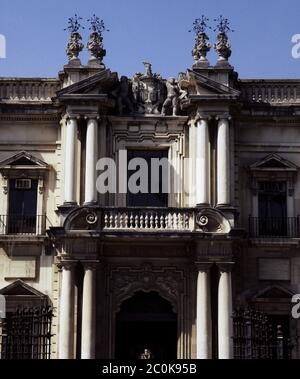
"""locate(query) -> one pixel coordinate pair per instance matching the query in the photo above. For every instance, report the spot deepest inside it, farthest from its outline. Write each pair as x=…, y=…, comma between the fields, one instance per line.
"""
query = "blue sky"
x=155, y=30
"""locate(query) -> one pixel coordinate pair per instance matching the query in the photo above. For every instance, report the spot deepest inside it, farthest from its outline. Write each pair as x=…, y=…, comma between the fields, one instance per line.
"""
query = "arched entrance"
x=146, y=321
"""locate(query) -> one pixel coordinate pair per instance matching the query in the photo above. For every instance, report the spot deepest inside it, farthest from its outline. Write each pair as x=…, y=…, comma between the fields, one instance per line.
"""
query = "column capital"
x=202, y=117
x=225, y=266
x=203, y=266
x=73, y=116
x=66, y=264
x=92, y=116
x=90, y=265
x=225, y=116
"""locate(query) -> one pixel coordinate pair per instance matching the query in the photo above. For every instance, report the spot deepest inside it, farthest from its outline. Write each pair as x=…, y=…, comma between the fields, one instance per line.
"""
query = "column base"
x=203, y=205
x=90, y=204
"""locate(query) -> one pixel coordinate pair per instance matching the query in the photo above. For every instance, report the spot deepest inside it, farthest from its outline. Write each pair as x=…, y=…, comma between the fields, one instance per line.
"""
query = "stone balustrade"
x=28, y=90
x=163, y=219
x=271, y=91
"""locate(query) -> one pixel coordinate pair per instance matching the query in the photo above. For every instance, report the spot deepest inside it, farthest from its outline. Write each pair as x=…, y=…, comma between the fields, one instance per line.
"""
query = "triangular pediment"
x=208, y=88
x=273, y=162
x=20, y=288
x=98, y=84
x=23, y=159
x=274, y=292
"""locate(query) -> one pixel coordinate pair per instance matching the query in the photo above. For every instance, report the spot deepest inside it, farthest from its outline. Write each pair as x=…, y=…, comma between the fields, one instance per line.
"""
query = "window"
x=149, y=199
x=22, y=206
x=272, y=208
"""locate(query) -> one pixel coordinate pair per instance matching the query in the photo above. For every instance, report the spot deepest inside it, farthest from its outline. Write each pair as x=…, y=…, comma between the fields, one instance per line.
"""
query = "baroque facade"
x=161, y=272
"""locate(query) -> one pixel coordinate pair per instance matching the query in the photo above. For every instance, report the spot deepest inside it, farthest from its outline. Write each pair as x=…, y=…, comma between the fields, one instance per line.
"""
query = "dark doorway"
x=146, y=321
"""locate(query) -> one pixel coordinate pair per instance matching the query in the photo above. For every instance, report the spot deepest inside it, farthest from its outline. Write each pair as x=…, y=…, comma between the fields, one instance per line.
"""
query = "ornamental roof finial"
x=222, y=45
x=95, y=44
x=202, y=45
x=75, y=44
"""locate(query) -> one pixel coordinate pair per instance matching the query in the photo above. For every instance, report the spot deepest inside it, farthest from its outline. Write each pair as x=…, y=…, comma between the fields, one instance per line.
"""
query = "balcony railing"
x=23, y=224
x=271, y=91
x=28, y=89
x=274, y=227
x=160, y=219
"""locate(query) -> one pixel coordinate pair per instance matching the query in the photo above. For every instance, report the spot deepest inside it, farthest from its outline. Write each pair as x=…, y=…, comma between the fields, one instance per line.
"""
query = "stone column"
x=223, y=162
x=70, y=161
x=203, y=318
x=91, y=161
x=66, y=312
x=88, y=332
x=202, y=163
x=225, y=325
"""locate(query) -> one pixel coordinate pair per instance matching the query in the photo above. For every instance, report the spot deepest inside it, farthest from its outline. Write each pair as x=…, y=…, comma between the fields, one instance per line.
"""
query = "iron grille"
x=255, y=337
x=26, y=334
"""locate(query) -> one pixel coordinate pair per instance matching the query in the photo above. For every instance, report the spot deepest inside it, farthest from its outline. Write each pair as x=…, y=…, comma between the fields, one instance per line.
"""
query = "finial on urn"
x=75, y=45
x=222, y=45
x=202, y=45
x=95, y=43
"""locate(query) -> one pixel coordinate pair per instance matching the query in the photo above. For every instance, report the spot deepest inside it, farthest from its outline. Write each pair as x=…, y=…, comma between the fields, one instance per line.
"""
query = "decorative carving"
x=222, y=45
x=91, y=218
x=125, y=282
x=172, y=97
x=148, y=91
x=75, y=44
x=95, y=44
x=202, y=46
x=212, y=221
x=123, y=96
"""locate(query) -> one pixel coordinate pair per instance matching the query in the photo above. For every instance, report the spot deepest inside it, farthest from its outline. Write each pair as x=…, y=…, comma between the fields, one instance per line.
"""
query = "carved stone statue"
x=146, y=354
x=122, y=94
x=172, y=97
x=148, y=68
x=74, y=46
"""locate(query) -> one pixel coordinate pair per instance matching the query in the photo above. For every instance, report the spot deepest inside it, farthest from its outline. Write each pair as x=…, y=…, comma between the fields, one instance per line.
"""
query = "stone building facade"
x=124, y=273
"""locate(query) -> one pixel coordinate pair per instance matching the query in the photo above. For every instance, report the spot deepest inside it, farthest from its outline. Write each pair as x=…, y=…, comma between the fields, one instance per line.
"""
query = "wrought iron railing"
x=22, y=224
x=274, y=227
x=255, y=337
x=26, y=334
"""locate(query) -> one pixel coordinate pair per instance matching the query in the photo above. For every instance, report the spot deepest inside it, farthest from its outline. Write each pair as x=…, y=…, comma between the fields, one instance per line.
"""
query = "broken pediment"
x=200, y=86
x=273, y=162
x=95, y=87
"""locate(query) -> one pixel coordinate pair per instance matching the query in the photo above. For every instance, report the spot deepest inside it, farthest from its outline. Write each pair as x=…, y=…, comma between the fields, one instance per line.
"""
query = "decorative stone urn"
x=95, y=46
x=74, y=46
x=223, y=47
x=201, y=48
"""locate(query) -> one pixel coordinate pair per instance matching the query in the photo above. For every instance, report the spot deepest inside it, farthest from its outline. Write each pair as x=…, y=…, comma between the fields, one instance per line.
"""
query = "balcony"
x=274, y=227
x=26, y=225
x=154, y=219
